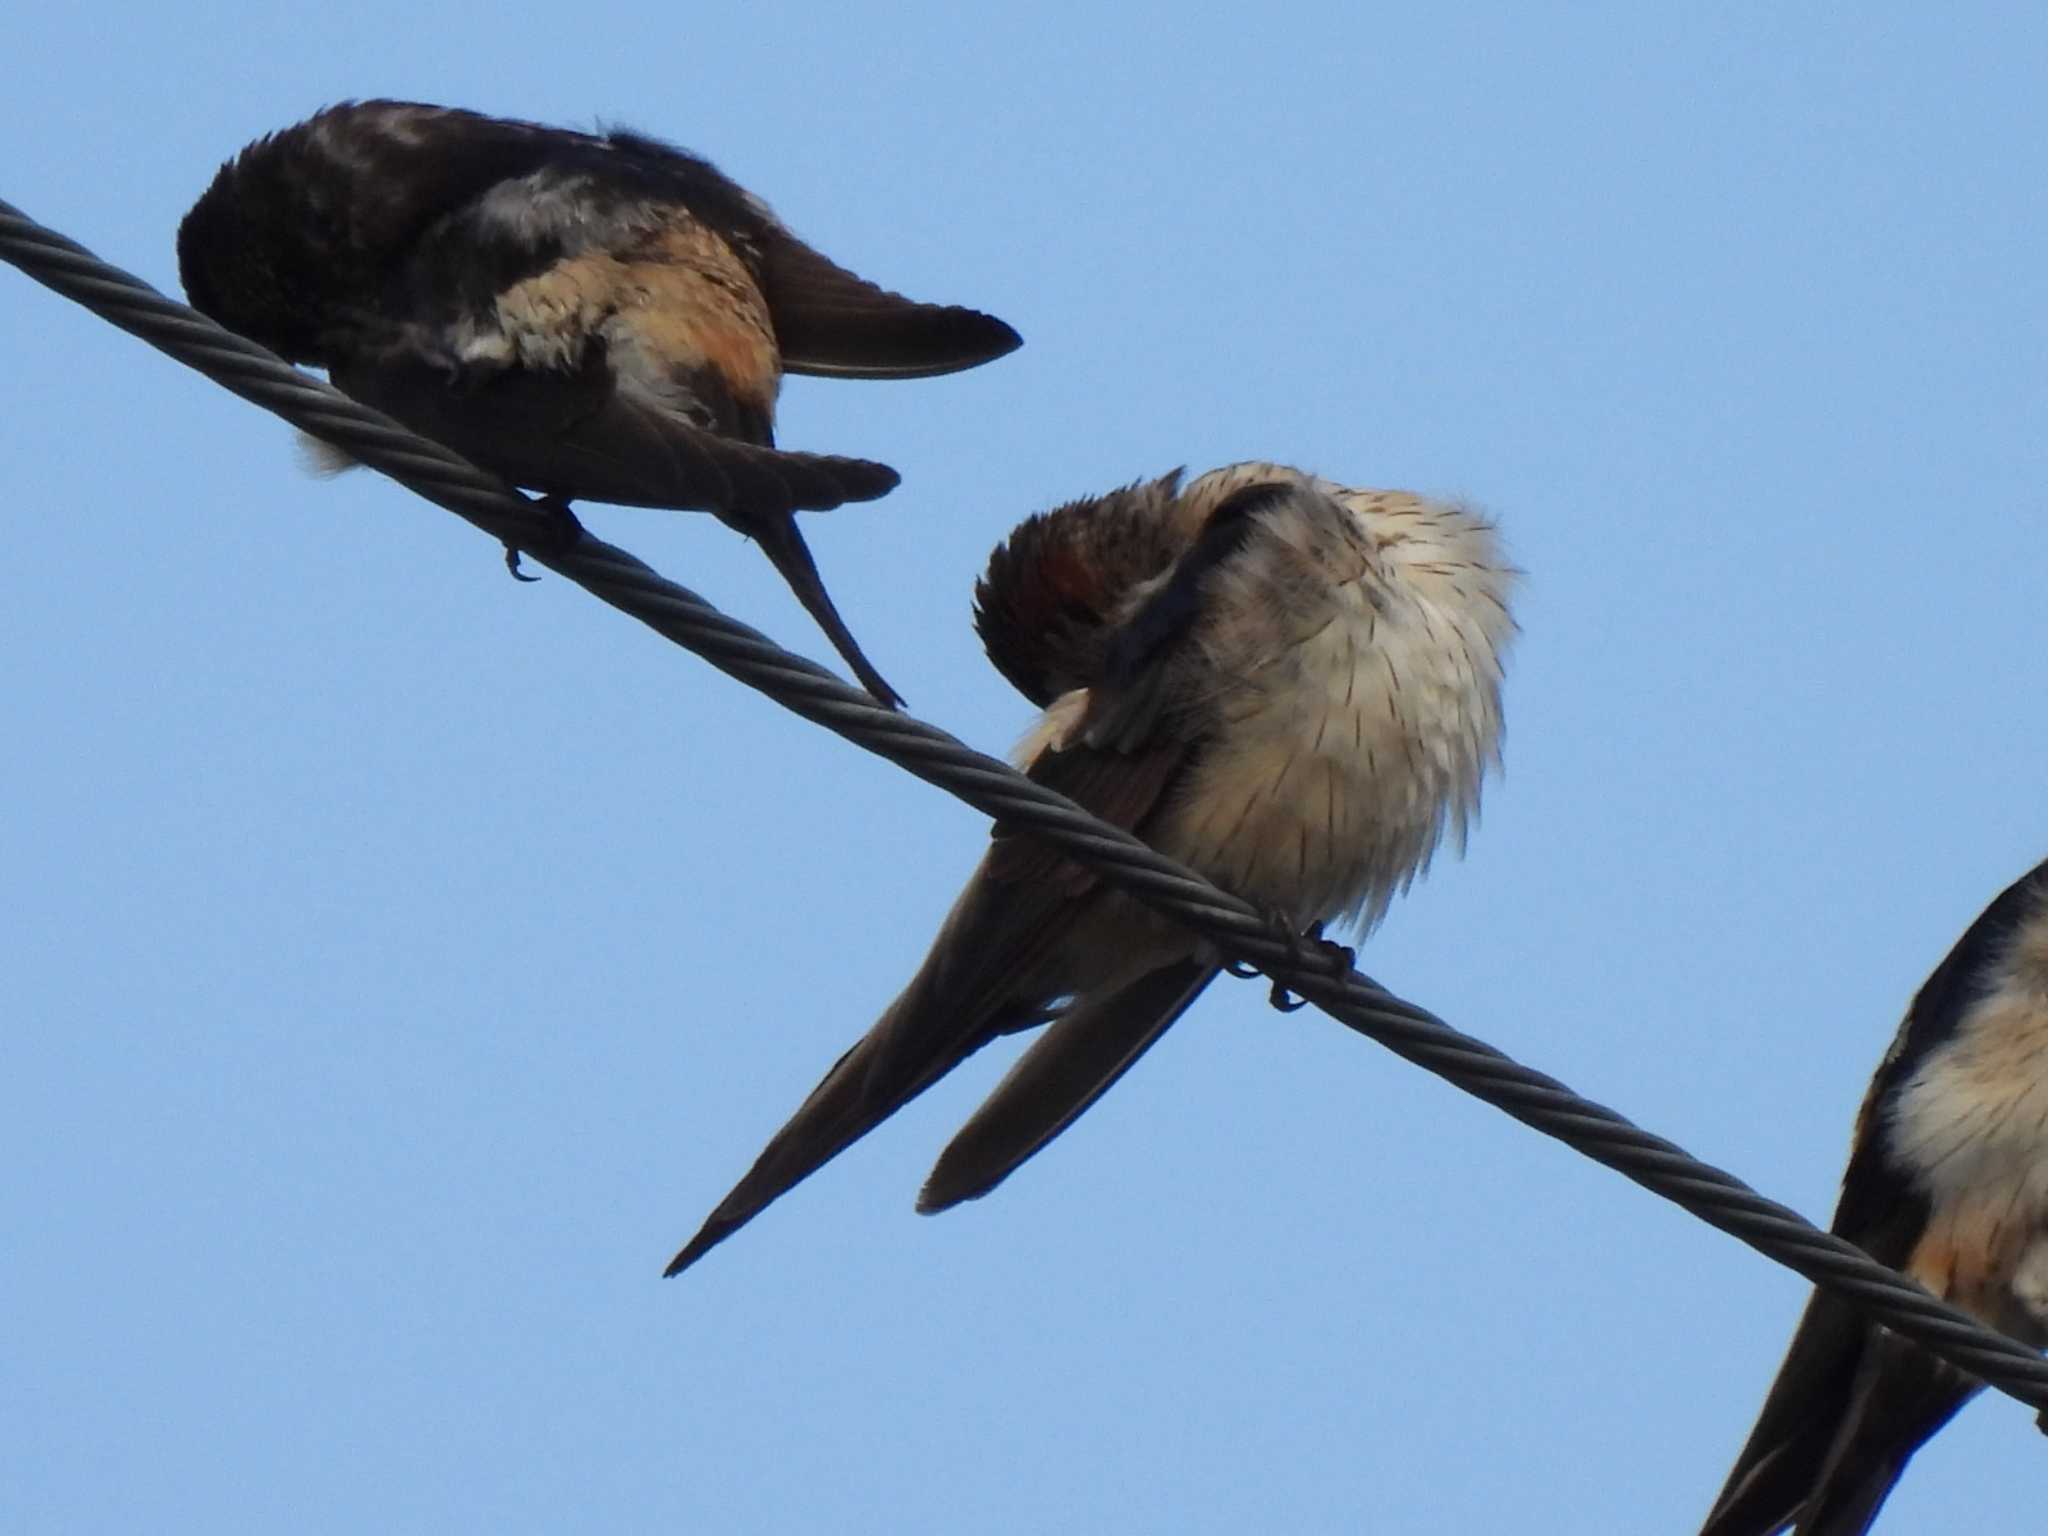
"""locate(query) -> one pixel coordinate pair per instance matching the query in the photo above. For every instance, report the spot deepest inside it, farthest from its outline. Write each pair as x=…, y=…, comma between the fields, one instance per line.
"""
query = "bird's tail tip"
x=783, y=544
x=694, y=1249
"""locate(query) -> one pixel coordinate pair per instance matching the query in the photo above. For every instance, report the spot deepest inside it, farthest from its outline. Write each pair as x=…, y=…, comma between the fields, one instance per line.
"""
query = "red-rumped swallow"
x=1947, y=1183
x=600, y=318
x=1291, y=686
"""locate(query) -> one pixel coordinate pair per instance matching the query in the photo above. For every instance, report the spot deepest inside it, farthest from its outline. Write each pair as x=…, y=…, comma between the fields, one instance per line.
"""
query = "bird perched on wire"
x=1947, y=1183
x=1291, y=686
x=594, y=317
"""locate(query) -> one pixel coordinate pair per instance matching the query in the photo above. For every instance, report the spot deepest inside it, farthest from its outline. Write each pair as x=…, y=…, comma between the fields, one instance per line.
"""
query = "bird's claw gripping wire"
x=1305, y=950
x=564, y=533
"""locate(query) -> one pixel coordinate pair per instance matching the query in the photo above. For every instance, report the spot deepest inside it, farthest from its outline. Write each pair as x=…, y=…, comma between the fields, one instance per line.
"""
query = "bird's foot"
x=562, y=533
x=1306, y=950
x=1339, y=960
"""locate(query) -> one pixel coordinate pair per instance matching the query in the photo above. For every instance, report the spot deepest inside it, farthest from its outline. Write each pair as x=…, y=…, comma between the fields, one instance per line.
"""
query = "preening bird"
x=593, y=317
x=1948, y=1183
x=1291, y=686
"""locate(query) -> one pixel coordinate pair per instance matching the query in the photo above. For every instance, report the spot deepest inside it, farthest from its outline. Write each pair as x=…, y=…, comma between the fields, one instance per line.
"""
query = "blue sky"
x=400, y=962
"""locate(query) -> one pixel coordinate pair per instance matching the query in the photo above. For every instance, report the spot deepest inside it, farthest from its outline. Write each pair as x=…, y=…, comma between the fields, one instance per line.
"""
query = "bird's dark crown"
x=273, y=248
x=312, y=223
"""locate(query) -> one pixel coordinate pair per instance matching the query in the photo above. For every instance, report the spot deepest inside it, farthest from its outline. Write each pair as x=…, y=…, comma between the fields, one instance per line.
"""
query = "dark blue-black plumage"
x=595, y=317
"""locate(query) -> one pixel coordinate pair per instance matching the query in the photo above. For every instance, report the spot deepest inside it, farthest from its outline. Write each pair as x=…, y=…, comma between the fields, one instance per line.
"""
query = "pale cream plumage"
x=1292, y=686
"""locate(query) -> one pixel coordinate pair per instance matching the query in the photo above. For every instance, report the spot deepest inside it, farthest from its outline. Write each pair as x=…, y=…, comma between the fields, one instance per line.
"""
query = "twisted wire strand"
x=994, y=788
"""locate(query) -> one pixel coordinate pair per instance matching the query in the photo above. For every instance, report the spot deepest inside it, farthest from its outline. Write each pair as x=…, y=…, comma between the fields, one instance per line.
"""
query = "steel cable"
x=996, y=789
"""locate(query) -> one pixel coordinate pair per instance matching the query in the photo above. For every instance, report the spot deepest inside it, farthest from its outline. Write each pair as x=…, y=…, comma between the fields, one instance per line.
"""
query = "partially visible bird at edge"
x=1291, y=686
x=1947, y=1183
x=596, y=317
